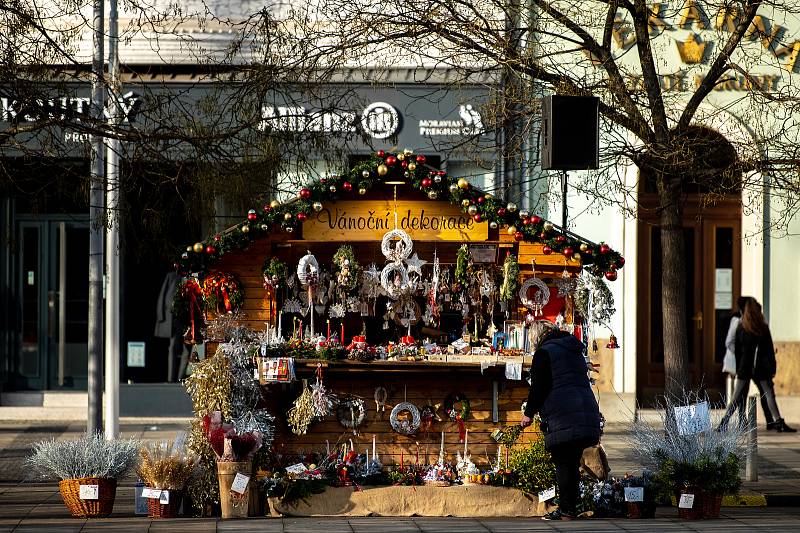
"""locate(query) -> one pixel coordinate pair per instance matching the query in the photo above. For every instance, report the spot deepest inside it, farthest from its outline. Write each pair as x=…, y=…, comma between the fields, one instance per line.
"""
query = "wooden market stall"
x=377, y=208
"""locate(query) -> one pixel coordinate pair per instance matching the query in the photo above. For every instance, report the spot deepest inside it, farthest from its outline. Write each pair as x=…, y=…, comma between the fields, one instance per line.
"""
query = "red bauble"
x=546, y=250
x=251, y=215
x=305, y=193
x=404, y=163
x=518, y=236
x=442, y=173
x=426, y=182
x=604, y=248
x=210, y=250
x=302, y=216
x=611, y=275
x=526, y=221
x=391, y=160
x=477, y=218
x=347, y=186
x=568, y=251
x=543, y=235
x=381, y=153
x=481, y=199
x=536, y=219
x=421, y=159
x=501, y=212
x=217, y=237
x=267, y=208
x=561, y=238
x=620, y=262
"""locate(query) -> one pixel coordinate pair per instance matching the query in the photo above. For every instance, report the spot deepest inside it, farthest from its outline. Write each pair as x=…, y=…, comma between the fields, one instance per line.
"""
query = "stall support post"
x=495, y=402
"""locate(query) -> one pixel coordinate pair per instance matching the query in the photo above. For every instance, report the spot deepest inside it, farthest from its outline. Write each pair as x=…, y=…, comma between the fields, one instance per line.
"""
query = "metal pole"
x=94, y=421
x=751, y=466
x=564, y=208
x=62, y=299
x=112, y=345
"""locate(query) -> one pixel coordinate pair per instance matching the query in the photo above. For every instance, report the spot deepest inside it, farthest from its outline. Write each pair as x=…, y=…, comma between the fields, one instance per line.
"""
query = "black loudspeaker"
x=570, y=132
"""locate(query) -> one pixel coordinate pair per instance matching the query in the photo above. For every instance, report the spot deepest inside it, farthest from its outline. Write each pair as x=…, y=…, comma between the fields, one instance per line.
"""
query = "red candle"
x=301, y=330
x=342, y=337
x=401, y=459
x=506, y=456
x=329, y=330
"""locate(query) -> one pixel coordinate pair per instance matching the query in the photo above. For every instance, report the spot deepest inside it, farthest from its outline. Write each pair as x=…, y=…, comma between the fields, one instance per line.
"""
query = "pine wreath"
x=222, y=292
x=508, y=290
x=462, y=266
x=346, y=269
x=449, y=406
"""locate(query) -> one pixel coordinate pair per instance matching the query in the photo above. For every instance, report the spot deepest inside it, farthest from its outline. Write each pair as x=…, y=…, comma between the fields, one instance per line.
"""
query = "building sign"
x=691, y=33
x=370, y=220
x=74, y=108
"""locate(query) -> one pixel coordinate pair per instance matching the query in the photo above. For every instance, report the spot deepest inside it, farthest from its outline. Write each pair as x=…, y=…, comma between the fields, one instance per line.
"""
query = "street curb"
x=783, y=500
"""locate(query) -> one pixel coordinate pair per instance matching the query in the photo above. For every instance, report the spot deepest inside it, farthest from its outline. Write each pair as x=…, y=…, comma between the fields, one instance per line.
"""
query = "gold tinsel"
x=302, y=412
x=163, y=468
x=209, y=388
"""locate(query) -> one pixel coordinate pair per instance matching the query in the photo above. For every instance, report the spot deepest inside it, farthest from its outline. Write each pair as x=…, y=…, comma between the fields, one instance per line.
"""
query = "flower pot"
x=712, y=504
x=696, y=511
x=80, y=508
x=156, y=509
x=637, y=510
x=233, y=504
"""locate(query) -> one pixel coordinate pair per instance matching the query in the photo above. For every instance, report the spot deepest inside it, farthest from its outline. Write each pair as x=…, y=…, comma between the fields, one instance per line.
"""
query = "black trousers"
x=567, y=458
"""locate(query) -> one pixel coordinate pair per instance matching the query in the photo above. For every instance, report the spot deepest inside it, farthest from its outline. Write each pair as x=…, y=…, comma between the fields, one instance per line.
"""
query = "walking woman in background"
x=755, y=359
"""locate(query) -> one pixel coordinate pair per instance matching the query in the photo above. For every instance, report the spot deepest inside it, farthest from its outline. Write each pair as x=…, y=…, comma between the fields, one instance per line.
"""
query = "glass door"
x=52, y=283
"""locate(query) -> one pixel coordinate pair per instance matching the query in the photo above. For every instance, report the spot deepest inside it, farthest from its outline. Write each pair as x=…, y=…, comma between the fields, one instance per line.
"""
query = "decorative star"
x=565, y=285
x=415, y=264
x=373, y=272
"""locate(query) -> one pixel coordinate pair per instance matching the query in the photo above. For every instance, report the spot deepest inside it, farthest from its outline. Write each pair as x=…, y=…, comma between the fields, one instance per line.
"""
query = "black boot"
x=783, y=428
x=772, y=426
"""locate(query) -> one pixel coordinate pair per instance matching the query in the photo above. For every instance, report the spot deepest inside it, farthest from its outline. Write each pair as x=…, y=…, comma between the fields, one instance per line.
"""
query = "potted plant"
x=720, y=476
x=88, y=469
x=165, y=471
x=234, y=452
x=650, y=486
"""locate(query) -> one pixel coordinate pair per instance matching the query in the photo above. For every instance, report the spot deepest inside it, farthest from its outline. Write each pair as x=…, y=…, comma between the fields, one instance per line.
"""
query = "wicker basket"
x=638, y=510
x=106, y=492
x=696, y=512
x=156, y=509
x=712, y=505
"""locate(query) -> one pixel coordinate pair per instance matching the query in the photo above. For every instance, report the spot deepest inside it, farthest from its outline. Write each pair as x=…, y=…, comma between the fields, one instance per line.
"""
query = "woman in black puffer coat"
x=562, y=395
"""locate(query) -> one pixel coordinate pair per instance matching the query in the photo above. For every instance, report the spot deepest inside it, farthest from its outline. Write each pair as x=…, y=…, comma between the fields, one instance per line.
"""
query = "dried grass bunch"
x=164, y=466
x=89, y=456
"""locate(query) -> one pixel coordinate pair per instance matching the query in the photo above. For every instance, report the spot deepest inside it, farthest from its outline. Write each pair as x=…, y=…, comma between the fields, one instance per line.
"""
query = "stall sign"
x=370, y=220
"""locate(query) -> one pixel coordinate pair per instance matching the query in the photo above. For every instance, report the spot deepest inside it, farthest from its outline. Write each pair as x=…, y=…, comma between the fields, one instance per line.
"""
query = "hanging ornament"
x=415, y=264
x=351, y=412
x=382, y=170
x=612, y=343
x=274, y=204
x=405, y=426
x=302, y=217
x=322, y=400
x=453, y=188
x=305, y=193
x=317, y=206
x=472, y=210
x=433, y=195
x=493, y=224
x=463, y=183
x=301, y=414
x=381, y=395
x=308, y=270
x=251, y=215
x=336, y=311
x=347, y=186
x=565, y=284
x=292, y=305
x=401, y=249
x=245, y=229
x=511, y=230
x=511, y=207
x=510, y=278
x=362, y=191
x=611, y=275
x=546, y=250
x=394, y=279
x=540, y=297
x=437, y=179
x=197, y=248
x=210, y=250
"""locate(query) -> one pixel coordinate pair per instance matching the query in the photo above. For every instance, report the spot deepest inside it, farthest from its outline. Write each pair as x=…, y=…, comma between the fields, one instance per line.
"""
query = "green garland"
x=508, y=290
x=274, y=271
x=346, y=269
x=599, y=260
x=462, y=266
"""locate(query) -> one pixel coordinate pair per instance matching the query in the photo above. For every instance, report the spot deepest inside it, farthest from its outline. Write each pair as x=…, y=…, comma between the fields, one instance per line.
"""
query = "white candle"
x=373, y=448
x=328, y=447
x=466, y=436
x=280, y=329
x=351, y=445
x=441, y=450
x=367, y=454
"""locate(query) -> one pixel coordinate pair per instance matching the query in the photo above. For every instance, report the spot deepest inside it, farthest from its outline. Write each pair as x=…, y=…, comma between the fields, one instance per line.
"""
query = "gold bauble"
x=401, y=156
x=274, y=204
x=472, y=210
x=412, y=167
x=511, y=207
x=382, y=170
x=433, y=195
x=287, y=216
x=576, y=256
x=190, y=248
x=317, y=206
x=548, y=226
x=362, y=191
x=198, y=247
x=408, y=151
x=584, y=247
x=488, y=196
x=245, y=228
x=512, y=230
x=462, y=183
x=465, y=203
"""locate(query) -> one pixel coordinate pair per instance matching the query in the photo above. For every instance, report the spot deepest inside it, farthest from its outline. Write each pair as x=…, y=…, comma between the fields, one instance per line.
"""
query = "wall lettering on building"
x=65, y=108
x=470, y=123
x=731, y=81
x=368, y=220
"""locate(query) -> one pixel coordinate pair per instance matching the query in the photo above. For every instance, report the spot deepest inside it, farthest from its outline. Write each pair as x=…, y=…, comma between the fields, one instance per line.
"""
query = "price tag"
x=153, y=494
x=634, y=494
x=164, y=498
x=296, y=469
x=686, y=501
x=692, y=419
x=89, y=492
x=548, y=494
x=240, y=483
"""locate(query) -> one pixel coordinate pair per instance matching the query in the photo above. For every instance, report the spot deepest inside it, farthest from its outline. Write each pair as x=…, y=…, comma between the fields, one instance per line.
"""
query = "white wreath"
x=388, y=285
x=401, y=250
x=405, y=427
x=307, y=266
x=540, y=298
x=351, y=412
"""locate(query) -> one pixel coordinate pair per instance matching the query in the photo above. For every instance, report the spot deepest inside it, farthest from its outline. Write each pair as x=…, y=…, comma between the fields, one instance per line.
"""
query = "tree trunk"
x=673, y=297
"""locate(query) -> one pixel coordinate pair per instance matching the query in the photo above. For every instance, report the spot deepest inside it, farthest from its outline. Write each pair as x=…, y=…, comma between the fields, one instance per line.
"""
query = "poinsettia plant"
x=228, y=445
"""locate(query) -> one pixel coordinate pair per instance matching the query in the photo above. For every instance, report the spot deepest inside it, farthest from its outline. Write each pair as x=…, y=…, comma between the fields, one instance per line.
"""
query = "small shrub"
x=533, y=467
x=88, y=456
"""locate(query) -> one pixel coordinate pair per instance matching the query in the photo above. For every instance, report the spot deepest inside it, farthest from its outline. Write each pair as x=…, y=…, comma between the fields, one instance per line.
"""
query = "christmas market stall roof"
x=394, y=169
